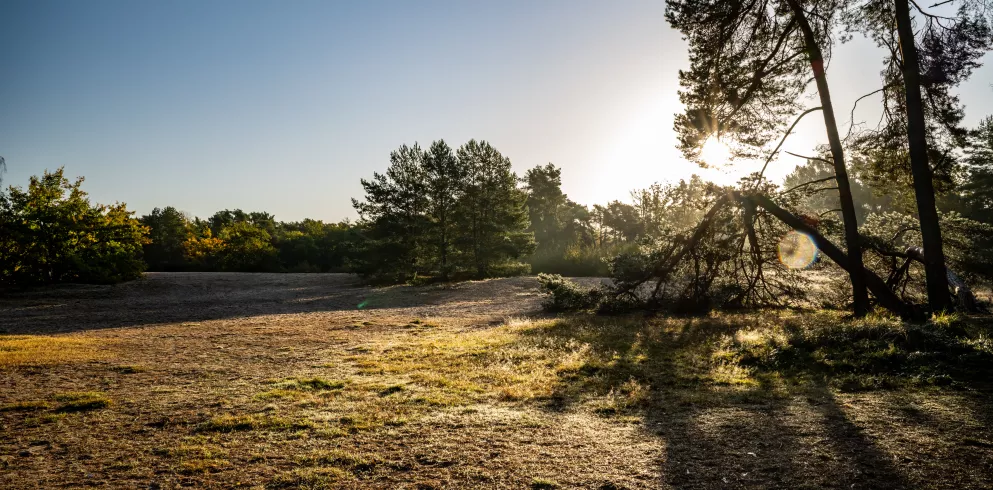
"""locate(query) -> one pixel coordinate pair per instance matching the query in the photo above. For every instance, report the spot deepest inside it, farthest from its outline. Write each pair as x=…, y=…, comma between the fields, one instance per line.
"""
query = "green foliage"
x=51, y=233
x=169, y=229
x=566, y=295
x=869, y=354
x=443, y=214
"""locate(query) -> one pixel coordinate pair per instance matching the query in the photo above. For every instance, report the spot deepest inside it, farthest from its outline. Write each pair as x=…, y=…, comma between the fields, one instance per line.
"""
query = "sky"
x=284, y=106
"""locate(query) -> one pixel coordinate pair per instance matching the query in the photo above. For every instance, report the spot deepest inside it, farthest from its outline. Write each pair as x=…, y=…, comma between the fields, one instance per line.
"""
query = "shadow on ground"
x=194, y=297
x=726, y=424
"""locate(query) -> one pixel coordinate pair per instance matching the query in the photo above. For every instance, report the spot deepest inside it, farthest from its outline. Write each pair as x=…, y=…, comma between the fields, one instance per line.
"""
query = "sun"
x=714, y=152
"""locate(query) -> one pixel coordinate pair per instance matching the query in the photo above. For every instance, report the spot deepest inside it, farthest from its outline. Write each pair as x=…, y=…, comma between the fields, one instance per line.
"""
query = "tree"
x=247, y=248
x=444, y=185
x=922, y=118
x=492, y=213
x=168, y=228
x=749, y=64
x=977, y=190
x=545, y=202
x=394, y=215
x=52, y=233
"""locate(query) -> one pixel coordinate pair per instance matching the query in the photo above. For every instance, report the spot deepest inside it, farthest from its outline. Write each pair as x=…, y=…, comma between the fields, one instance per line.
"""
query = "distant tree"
x=247, y=248
x=545, y=203
x=393, y=215
x=977, y=190
x=492, y=216
x=168, y=228
x=444, y=185
x=52, y=233
x=624, y=220
x=203, y=251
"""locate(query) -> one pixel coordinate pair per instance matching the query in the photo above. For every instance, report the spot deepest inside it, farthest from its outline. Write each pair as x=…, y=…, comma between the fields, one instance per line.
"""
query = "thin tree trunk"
x=934, y=254
x=856, y=266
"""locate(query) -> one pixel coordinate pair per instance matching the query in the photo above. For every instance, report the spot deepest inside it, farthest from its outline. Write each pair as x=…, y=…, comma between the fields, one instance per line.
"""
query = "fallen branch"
x=879, y=289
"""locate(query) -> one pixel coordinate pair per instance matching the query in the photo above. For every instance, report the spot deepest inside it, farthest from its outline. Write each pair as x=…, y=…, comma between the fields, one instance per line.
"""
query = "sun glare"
x=715, y=152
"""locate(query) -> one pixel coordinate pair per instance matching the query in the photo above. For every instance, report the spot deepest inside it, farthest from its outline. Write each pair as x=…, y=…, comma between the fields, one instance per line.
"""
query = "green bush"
x=50, y=233
x=565, y=295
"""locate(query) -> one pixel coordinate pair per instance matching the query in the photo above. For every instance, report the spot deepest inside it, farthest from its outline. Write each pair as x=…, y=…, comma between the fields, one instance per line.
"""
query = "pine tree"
x=394, y=214
x=492, y=216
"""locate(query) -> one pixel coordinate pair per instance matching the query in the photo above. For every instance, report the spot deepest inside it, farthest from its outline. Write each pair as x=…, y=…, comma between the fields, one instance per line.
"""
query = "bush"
x=51, y=234
x=565, y=295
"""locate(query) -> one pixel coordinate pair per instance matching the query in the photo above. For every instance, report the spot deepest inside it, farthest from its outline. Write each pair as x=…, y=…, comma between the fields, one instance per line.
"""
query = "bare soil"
x=316, y=381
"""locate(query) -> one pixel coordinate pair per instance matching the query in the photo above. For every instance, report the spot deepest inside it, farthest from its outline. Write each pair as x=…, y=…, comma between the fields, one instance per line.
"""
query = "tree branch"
x=825, y=160
x=773, y=154
x=851, y=119
x=818, y=181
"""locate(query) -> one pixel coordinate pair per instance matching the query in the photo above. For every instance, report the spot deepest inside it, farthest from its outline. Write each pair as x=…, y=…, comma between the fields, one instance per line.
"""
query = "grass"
x=48, y=350
x=25, y=406
x=772, y=399
x=231, y=423
x=81, y=401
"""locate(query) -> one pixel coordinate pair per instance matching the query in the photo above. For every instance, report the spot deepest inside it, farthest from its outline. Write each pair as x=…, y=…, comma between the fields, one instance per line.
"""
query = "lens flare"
x=797, y=250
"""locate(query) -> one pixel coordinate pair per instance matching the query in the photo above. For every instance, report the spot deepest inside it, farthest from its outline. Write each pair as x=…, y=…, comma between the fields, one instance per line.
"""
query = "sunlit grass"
x=47, y=350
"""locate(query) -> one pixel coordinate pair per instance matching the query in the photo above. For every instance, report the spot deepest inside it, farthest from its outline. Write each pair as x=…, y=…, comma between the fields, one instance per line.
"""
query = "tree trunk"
x=934, y=254
x=856, y=266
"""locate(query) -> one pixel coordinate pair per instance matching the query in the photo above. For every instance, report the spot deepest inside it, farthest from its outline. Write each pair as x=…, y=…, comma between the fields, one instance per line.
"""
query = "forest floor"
x=314, y=381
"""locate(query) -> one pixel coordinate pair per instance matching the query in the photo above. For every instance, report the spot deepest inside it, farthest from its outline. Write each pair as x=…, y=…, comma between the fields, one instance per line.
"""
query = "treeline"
x=446, y=214
x=435, y=213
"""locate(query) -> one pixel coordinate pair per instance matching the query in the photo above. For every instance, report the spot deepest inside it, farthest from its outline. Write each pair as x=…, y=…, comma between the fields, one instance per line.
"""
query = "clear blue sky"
x=284, y=106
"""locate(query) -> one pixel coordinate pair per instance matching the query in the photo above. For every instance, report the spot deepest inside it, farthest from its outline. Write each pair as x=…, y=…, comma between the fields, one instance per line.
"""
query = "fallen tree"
x=731, y=258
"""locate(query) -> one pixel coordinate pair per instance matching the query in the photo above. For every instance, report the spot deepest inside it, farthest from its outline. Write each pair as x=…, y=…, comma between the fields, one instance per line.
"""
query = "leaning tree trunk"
x=856, y=266
x=934, y=255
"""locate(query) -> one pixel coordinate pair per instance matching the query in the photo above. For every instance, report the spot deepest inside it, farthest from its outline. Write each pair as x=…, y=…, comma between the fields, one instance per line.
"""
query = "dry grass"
x=218, y=381
x=47, y=350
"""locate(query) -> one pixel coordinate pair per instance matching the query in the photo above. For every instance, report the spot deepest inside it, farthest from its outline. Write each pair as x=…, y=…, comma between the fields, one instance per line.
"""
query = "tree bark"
x=934, y=254
x=856, y=267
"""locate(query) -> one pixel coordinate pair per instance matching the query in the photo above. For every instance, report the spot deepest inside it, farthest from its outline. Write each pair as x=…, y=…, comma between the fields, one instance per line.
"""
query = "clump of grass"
x=311, y=478
x=48, y=350
x=310, y=384
x=544, y=484
x=231, y=423
x=389, y=390
x=81, y=401
x=129, y=369
x=341, y=459
x=25, y=406
x=866, y=354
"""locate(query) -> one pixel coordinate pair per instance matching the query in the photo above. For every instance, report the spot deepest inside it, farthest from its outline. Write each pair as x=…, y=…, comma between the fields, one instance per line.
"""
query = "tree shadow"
x=165, y=298
x=769, y=428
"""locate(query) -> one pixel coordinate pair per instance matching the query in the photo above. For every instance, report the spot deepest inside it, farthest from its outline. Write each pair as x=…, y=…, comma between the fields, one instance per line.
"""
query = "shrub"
x=565, y=295
x=51, y=233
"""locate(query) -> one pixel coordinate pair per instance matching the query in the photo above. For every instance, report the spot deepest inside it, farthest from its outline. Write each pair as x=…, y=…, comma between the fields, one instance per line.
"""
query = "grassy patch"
x=311, y=478
x=232, y=423
x=341, y=459
x=48, y=350
x=544, y=484
x=310, y=384
x=81, y=401
x=25, y=406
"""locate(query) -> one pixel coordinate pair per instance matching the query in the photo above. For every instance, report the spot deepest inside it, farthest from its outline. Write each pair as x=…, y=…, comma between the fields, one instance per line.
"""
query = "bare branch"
x=818, y=181
x=773, y=154
x=851, y=120
x=825, y=160
x=933, y=16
